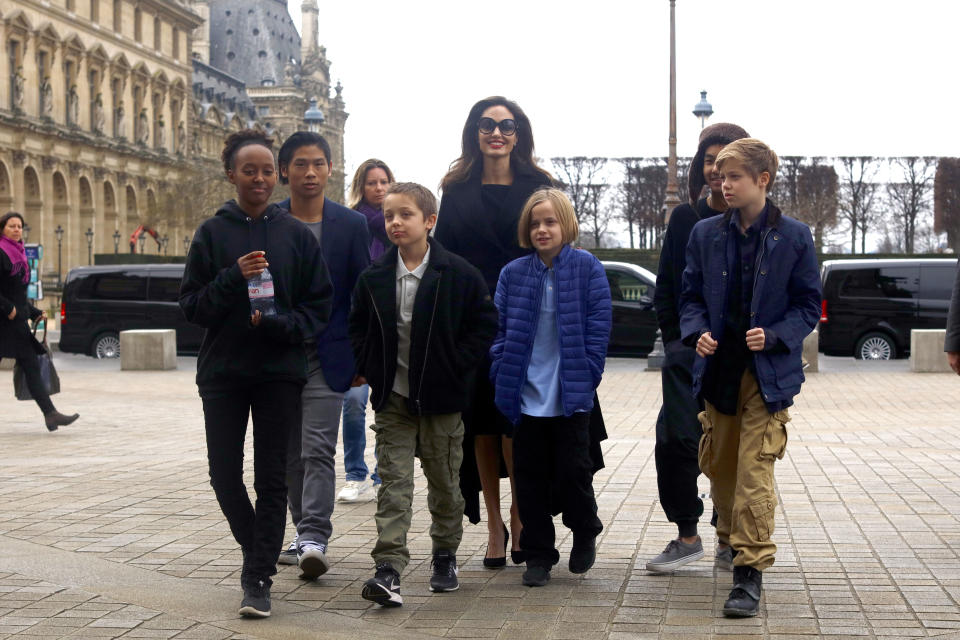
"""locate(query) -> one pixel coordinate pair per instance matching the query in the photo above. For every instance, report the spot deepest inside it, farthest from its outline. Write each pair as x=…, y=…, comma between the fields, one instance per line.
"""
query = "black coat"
x=465, y=226
x=952, y=342
x=213, y=294
x=673, y=260
x=454, y=323
x=16, y=339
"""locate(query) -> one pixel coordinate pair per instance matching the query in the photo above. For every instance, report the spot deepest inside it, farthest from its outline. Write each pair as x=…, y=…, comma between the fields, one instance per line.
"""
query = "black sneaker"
x=384, y=587
x=583, y=554
x=535, y=576
x=444, y=576
x=256, y=600
x=744, y=599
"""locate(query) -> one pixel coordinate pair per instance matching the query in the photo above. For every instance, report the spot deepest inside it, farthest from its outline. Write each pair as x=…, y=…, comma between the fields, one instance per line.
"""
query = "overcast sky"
x=810, y=77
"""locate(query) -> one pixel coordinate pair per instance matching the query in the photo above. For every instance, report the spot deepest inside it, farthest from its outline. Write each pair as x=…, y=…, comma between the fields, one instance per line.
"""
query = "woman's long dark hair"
x=521, y=157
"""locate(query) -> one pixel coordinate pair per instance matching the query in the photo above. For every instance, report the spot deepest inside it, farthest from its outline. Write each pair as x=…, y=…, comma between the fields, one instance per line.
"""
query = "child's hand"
x=706, y=345
x=252, y=264
x=358, y=381
x=756, y=340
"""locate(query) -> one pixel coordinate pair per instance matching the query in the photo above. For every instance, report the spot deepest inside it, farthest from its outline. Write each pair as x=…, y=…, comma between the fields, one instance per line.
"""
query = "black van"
x=100, y=302
x=870, y=306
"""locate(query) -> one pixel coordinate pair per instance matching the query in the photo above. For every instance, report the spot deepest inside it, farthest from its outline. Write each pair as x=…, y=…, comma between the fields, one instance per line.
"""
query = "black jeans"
x=30, y=365
x=678, y=437
x=276, y=410
x=552, y=471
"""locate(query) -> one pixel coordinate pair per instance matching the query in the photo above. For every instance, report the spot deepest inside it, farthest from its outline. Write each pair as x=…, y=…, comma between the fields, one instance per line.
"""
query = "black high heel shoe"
x=497, y=563
x=518, y=557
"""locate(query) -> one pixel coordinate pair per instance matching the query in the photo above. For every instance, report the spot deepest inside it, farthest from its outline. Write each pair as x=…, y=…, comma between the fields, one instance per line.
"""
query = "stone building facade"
x=108, y=108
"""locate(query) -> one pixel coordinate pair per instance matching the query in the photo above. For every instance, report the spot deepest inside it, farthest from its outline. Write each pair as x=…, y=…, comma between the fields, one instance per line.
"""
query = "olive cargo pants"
x=438, y=441
x=737, y=453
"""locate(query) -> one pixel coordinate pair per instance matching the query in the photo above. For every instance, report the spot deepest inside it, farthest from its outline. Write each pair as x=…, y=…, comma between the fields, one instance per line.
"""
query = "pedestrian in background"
x=483, y=193
x=751, y=294
x=306, y=163
x=251, y=362
x=678, y=430
x=367, y=191
x=421, y=321
x=16, y=312
x=547, y=361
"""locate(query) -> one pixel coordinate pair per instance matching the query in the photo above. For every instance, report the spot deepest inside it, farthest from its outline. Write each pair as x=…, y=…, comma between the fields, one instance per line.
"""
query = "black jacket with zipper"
x=454, y=323
x=213, y=294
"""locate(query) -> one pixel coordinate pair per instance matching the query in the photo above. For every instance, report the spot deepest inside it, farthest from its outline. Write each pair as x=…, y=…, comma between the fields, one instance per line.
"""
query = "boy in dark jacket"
x=421, y=320
x=678, y=431
x=751, y=294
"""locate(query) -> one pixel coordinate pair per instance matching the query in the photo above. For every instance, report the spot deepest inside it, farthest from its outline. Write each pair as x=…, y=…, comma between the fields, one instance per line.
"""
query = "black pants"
x=276, y=410
x=678, y=436
x=30, y=365
x=552, y=471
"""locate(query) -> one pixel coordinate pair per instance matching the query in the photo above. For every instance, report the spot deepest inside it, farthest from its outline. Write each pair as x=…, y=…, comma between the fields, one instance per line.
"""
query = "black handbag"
x=51, y=381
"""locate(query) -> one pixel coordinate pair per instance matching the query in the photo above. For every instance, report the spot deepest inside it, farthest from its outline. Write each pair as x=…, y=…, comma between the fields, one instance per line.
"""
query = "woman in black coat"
x=483, y=193
x=16, y=340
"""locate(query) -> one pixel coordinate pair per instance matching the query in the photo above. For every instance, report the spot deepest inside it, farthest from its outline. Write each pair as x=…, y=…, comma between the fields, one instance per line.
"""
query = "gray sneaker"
x=677, y=554
x=723, y=558
x=313, y=560
x=289, y=555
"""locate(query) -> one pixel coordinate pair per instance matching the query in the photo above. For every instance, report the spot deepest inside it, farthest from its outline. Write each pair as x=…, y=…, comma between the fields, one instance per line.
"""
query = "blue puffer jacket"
x=786, y=297
x=584, y=316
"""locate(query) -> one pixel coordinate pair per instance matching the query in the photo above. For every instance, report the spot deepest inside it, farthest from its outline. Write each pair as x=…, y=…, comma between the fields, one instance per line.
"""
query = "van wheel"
x=875, y=346
x=106, y=345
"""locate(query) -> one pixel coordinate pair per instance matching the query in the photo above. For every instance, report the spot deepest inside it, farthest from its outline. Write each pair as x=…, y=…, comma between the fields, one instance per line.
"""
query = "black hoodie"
x=213, y=294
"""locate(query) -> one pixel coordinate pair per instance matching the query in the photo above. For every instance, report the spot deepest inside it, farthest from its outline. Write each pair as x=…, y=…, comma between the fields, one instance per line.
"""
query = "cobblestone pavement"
x=109, y=529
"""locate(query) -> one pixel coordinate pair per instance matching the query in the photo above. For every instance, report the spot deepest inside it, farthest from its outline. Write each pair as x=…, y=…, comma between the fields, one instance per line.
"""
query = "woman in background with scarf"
x=16, y=340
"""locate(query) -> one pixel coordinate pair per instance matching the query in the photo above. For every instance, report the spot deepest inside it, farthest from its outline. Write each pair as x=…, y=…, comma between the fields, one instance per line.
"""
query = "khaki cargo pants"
x=438, y=441
x=737, y=453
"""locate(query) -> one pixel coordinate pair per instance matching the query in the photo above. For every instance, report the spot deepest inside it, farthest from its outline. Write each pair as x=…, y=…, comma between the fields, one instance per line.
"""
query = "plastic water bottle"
x=260, y=291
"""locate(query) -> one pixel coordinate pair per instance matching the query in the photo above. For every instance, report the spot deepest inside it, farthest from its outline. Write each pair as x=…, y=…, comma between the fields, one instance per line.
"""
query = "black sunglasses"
x=507, y=127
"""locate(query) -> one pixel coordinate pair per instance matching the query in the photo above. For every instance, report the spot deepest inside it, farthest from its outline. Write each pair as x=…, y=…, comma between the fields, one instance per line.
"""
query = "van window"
x=936, y=282
x=163, y=288
x=114, y=286
x=888, y=282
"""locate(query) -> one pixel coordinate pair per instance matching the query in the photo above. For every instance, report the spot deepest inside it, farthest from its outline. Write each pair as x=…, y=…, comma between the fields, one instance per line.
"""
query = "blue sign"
x=34, y=251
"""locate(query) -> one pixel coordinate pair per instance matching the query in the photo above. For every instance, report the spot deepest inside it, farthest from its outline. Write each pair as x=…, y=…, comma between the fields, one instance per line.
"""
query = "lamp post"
x=59, y=233
x=656, y=357
x=163, y=242
x=26, y=233
x=313, y=117
x=116, y=242
x=703, y=109
x=89, y=235
x=140, y=241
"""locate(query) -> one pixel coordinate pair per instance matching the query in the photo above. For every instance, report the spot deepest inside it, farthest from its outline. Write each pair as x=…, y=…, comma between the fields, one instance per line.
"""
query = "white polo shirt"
x=407, y=284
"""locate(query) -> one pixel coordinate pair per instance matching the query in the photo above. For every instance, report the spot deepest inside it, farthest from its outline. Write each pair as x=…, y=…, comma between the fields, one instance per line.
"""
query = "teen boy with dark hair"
x=421, y=320
x=751, y=294
x=305, y=164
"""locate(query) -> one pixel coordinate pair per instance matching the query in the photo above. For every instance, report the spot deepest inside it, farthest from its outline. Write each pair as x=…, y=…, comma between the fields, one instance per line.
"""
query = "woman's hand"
x=12, y=314
x=255, y=318
x=252, y=264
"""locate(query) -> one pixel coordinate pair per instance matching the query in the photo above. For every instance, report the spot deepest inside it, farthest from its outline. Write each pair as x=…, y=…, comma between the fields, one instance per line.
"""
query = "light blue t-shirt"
x=541, y=390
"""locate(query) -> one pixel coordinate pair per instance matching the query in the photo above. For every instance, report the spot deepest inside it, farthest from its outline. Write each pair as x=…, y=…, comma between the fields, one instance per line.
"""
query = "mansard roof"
x=252, y=39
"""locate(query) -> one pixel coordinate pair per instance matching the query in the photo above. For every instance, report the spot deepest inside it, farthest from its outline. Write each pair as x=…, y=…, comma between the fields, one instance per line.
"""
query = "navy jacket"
x=344, y=244
x=453, y=324
x=786, y=296
x=584, y=316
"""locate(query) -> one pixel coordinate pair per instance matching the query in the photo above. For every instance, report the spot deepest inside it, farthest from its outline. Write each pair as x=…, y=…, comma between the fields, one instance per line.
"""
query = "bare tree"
x=946, y=200
x=785, y=191
x=908, y=199
x=596, y=214
x=575, y=174
x=817, y=187
x=628, y=197
x=857, y=193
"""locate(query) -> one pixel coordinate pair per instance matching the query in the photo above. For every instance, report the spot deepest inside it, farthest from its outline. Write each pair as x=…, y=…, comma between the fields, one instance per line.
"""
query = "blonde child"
x=547, y=361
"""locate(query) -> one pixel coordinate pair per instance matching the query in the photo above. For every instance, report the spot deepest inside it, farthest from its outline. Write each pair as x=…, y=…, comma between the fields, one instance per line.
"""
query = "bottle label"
x=263, y=290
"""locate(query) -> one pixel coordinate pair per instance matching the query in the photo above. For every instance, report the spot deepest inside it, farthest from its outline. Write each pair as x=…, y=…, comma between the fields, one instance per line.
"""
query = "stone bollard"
x=926, y=351
x=148, y=349
x=811, y=352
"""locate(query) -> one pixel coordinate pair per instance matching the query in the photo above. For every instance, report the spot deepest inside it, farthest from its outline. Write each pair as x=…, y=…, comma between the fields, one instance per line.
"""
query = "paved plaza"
x=109, y=528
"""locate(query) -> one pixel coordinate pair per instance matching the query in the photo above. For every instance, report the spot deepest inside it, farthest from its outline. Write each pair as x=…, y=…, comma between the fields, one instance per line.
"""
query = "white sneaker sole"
x=313, y=565
x=253, y=612
x=381, y=596
x=669, y=567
